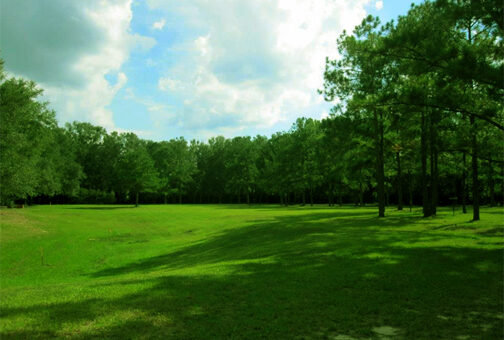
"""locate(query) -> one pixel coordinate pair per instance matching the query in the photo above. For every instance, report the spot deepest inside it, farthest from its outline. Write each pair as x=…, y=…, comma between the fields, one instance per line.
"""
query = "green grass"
x=210, y=272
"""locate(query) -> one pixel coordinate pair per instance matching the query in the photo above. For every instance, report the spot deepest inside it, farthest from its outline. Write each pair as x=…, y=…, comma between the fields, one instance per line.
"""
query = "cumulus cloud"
x=158, y=25
x=222, y=66
x=254, y=63
x=379, y=4
x=69, y=47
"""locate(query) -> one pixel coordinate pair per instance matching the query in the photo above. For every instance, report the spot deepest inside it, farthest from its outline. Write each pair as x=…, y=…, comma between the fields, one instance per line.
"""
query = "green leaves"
x=25, y=136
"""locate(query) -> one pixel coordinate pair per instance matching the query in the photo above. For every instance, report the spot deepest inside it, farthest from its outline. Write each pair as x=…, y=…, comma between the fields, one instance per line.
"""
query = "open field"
x=206, y=272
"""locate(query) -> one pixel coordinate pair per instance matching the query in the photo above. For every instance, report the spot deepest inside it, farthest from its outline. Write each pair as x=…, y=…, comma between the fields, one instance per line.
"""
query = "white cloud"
x=158, y=25
x=167, y=84
x=88, y=103
x=256, y=63
x=237, y=65
x=379, y=4
x=73, y=47
x=324, y=115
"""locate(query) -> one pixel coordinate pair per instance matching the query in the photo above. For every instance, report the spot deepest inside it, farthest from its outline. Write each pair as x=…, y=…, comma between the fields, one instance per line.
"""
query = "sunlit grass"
x=205, y=272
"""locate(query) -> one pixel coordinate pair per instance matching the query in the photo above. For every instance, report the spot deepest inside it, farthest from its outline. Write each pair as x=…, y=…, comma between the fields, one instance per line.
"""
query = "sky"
x=194, y=68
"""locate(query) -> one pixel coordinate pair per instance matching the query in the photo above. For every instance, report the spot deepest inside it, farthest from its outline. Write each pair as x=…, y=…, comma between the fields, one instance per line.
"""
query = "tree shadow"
x=27, y=334
x=282, y=238
x=313, y=276
x=290, y=207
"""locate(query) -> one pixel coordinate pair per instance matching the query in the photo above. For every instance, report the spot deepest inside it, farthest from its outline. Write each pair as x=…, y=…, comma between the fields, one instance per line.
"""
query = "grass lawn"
x=223, y=271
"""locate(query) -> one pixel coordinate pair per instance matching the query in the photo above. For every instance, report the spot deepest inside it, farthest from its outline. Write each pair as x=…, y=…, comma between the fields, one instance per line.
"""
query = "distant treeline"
x=419, y=121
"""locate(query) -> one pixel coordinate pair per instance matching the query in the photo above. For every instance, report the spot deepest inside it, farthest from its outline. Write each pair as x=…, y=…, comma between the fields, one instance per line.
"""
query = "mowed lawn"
x=238, y=272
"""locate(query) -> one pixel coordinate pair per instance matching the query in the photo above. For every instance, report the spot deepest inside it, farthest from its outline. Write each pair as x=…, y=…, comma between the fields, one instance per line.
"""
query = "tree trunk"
x=330, y=195
x=399, y=183
x=248, y=197
x=311, y=196
x=410, y=190
x=165, y=199
x=435, y=182
x=432, y=208
x=491, y=190
x=423, y=155
x=474, y=147
x=474, y=161
x=361, y=195
x=433, y=162
x=502, y=184
x=303, y=203
x=464, y=185
x=136, y=199
x=380, y=175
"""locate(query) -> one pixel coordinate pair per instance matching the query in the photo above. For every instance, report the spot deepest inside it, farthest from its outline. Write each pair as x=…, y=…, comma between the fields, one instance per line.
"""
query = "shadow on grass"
x=297, y=206
x=313, y=276
x=285, y=239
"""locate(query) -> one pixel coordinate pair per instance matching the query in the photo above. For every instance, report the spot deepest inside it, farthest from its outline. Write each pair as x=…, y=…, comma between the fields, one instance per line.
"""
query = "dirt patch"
x=14, y=226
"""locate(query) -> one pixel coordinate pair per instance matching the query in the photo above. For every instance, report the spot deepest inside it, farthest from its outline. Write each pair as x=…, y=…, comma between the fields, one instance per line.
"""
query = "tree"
x=360, y=79
x=24, y=122
x=137, y=169
x=241, y=166
x=182, y=165
x=215, y=168
x=308, y=138
x=58, y=171
x=457, y=45
x=89, y=140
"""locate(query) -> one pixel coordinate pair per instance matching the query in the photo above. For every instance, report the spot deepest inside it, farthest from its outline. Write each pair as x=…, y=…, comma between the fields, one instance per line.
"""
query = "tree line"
x=418, y=120
x=430, y=88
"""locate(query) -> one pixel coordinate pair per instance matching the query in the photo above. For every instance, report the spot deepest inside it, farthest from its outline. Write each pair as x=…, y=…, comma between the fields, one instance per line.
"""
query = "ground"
x=238, y=272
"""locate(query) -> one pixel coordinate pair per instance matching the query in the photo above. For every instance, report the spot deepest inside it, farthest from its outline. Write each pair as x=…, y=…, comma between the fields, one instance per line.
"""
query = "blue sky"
x=192, y=68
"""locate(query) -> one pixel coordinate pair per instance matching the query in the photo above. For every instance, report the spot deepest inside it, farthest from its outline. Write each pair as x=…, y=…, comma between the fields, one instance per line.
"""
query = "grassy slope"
x=191, y=272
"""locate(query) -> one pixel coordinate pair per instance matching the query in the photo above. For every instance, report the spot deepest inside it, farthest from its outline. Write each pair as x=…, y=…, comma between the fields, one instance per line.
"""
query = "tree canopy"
x=418, y=119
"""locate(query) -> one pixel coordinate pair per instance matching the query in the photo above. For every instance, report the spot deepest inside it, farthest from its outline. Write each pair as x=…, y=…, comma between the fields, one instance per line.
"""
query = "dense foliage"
x=419, y=120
